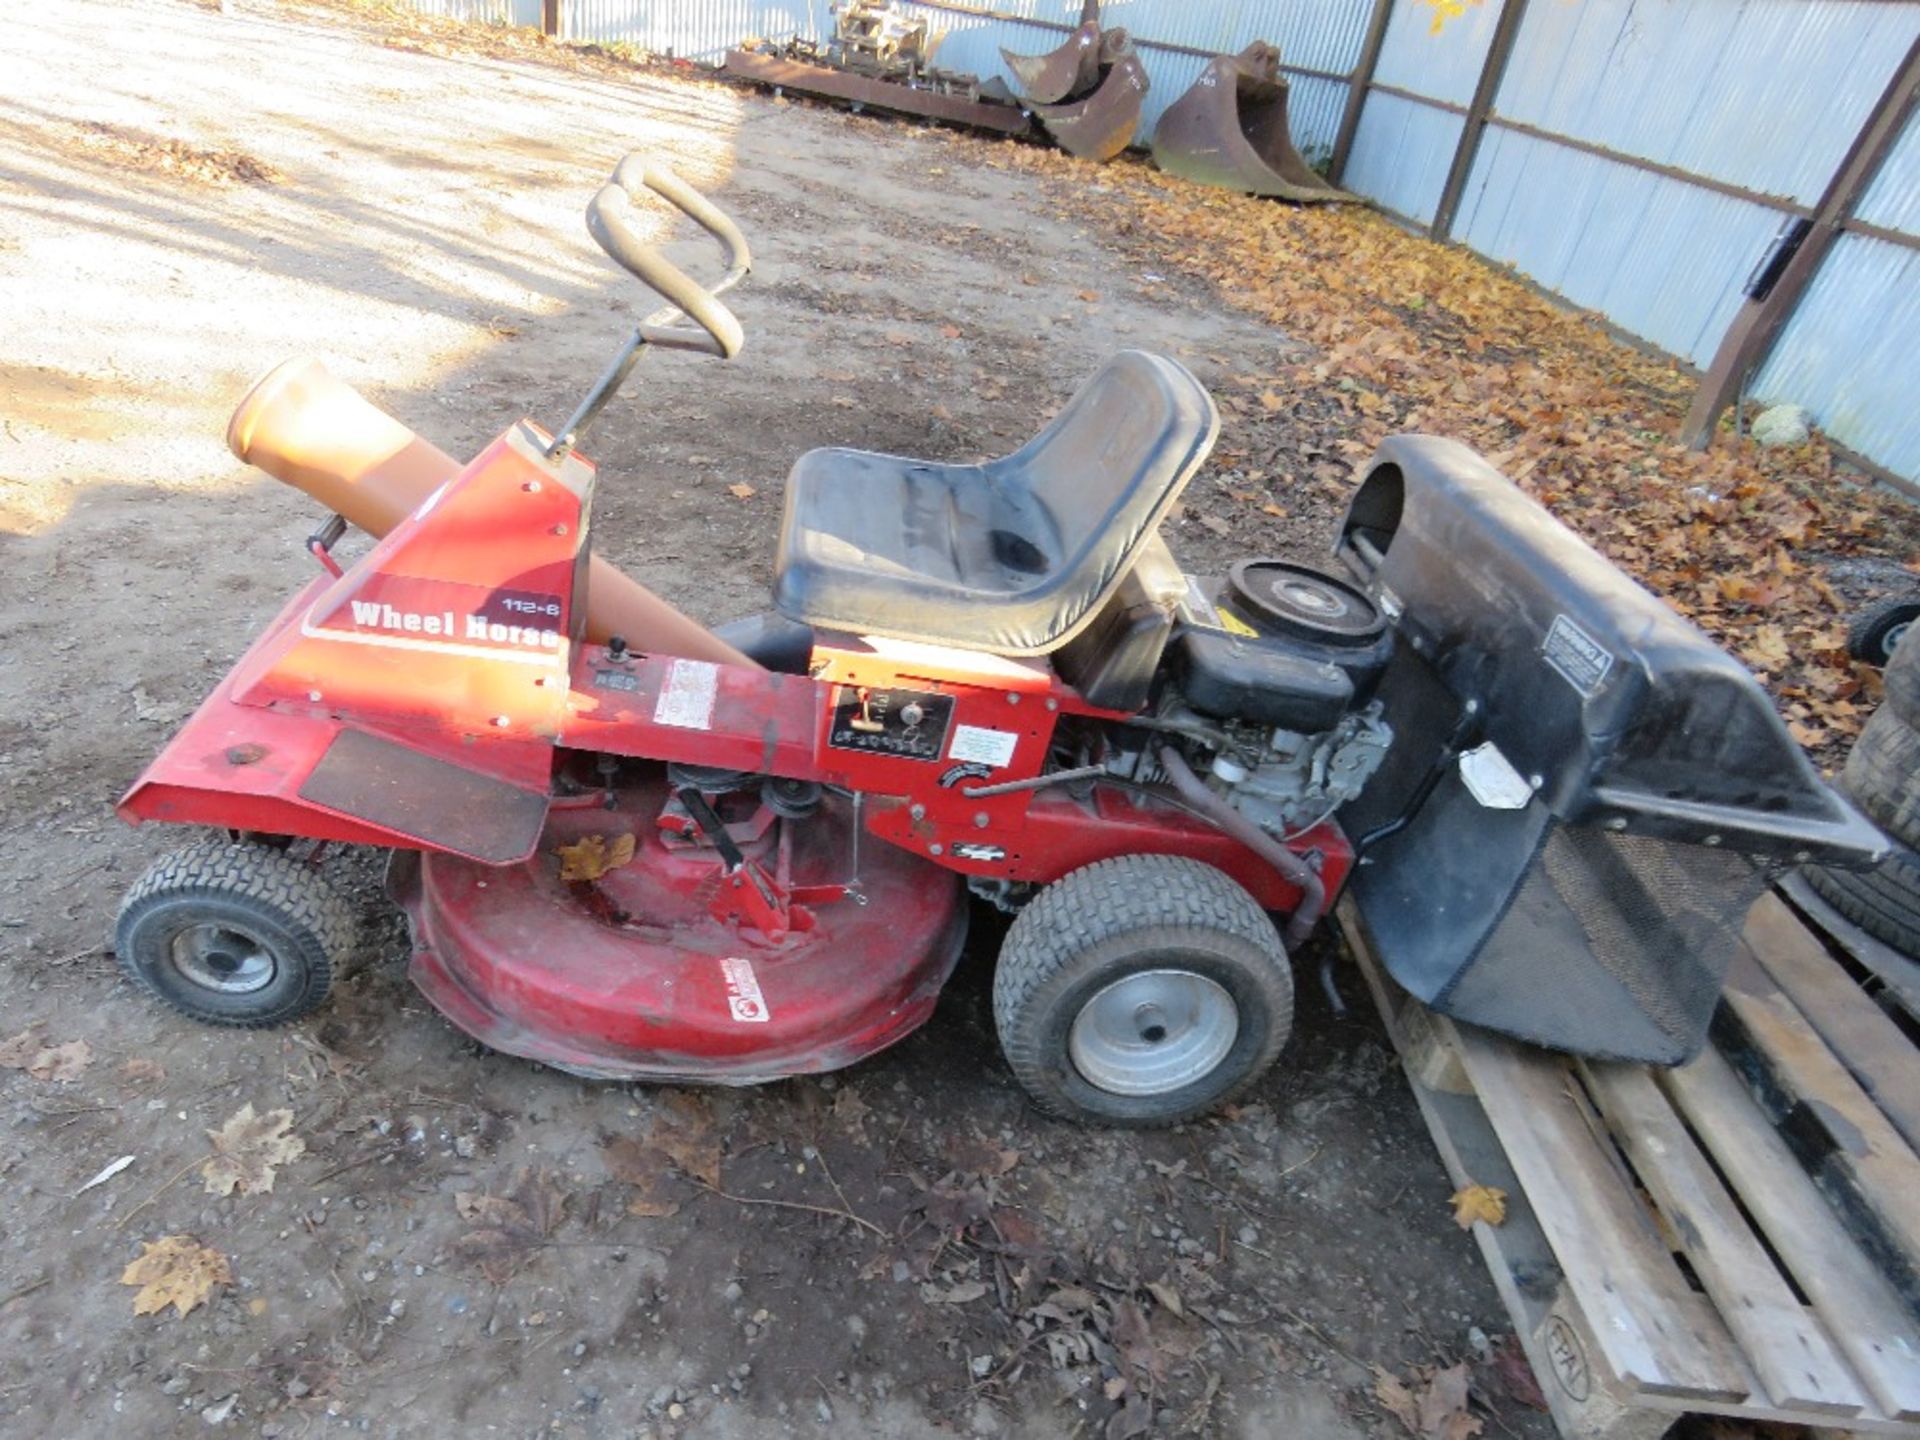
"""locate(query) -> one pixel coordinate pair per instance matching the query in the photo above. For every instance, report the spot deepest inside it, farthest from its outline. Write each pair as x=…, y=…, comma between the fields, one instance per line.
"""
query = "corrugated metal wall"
x=1763, y=95
x=1639, y=157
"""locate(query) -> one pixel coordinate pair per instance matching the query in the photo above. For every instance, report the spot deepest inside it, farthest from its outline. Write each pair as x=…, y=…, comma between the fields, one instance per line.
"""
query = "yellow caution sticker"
x=1233, y=622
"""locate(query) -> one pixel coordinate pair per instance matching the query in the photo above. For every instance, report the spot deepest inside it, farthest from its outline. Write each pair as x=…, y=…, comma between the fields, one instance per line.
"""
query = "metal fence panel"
x=1662, y=259
x=1893, y=199
x=1847, y=355
x=483, y=12
x=700, y=30
x=1400, y=154
x=1443, y=63
x=1764, y=94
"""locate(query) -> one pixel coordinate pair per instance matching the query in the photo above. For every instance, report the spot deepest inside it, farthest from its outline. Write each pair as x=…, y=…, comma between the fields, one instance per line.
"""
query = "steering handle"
x=610, y=221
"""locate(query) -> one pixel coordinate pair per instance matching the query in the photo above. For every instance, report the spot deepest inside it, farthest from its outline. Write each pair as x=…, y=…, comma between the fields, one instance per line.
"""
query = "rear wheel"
x=1143, y=990
x=234, y=933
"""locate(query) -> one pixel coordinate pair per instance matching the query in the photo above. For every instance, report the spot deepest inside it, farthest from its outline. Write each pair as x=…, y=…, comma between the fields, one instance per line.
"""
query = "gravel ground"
x=467, y=1241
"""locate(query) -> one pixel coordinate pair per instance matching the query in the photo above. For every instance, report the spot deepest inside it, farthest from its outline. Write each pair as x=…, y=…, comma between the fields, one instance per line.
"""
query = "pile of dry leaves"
x=1399, y=333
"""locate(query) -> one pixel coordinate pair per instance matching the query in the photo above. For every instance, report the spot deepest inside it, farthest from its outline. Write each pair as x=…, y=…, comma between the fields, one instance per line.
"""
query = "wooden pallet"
x=1738, y=1237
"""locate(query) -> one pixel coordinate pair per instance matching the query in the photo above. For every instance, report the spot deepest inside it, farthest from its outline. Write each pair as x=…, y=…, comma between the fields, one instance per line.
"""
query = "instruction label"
x=982, y=746
x=744, y=1000
x=1581, y=660
x=686, y=699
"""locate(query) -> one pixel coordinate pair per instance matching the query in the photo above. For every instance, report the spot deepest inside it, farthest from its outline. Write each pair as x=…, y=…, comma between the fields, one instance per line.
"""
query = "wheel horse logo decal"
x=744, y=999
x=427, y=614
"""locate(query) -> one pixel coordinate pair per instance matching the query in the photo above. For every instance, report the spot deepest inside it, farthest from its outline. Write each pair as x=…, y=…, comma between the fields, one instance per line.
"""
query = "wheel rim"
x=1890, y=641
x=1153, y=1032
x=223, y=958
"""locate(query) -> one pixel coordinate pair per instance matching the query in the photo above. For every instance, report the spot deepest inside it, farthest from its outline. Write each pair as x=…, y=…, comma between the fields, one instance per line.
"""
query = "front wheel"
x=234, y=933
x=1141, y=991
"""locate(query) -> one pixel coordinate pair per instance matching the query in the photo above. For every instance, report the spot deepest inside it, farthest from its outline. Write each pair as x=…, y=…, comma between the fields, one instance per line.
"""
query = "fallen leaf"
x=740, y=490
x=1515, y=1373
x=1090, y=296
x=1396, y=1399
x=494, y=1210
x=1135, y=1418
x=952, y=332
x=1443, y=1407
x=175, y=1270
x=18, y=1052
x=61, y=1062
x=684, y=1135
x=142, y=1071
x=590, y=857
x=509, y=1227
x=972, y=1155
x=247, y=1149
x=1478, y=1202
x=851, y=1112
x=1167, y=1296
x=645, y=1169
x=27, y=1052
x=964, y=1293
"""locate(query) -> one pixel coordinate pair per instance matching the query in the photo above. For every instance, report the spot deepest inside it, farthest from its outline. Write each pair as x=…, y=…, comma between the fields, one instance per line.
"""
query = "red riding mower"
x=676, y=854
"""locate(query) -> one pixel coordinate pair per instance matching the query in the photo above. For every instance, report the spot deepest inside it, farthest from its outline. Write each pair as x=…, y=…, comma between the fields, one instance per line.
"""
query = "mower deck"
x=630, y=975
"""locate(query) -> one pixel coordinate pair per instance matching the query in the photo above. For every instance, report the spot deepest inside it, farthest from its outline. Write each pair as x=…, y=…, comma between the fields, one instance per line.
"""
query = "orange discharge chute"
x=308, y=430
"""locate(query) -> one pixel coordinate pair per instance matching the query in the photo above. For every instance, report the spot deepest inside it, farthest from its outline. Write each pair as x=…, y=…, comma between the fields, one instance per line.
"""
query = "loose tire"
x=1882, y=774
x=1877, y=631
x=1141, y=991
x=1901, y=677
x=234, y=934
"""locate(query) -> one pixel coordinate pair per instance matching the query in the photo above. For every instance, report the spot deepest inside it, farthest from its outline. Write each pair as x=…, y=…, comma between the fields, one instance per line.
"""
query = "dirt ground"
x=186, y=197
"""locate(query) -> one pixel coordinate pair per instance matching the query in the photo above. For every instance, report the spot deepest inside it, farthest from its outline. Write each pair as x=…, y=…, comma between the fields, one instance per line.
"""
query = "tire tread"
x=215, y=866
x=1108, y=898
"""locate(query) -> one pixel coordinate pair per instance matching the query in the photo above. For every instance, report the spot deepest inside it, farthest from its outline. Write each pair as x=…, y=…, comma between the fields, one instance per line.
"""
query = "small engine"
x=1301, y=779
x=1284, y=660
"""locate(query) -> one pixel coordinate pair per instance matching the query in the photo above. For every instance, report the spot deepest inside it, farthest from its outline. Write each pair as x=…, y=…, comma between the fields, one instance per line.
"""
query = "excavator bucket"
x=1231, y=130
x=1101, y=125
x=1064, y=73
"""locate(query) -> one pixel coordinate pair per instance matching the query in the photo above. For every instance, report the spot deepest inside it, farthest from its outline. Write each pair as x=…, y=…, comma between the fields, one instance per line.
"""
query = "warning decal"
x=981, y=746
x=744, y=999
x=686, y=699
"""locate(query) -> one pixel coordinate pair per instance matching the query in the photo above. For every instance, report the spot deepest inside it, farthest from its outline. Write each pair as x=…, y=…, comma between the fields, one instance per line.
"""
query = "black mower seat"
x=1012, y=556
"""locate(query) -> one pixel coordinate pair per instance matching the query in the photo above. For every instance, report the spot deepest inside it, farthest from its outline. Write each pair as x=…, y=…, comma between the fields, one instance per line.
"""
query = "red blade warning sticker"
x=744, y=999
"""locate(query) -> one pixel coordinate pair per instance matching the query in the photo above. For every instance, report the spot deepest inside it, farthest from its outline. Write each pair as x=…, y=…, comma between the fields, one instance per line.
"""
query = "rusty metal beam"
x=1505, y=30
x=1751, y=336
x=1786, y=206
x=549, y=17
x=859, y=90
x=1358, y=84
